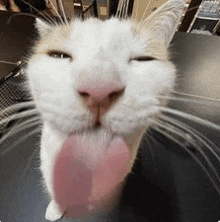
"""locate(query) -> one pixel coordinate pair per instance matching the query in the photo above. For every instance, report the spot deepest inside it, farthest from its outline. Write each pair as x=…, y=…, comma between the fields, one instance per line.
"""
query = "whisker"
x=156, y=127
x=181, y=134
x=20, y=13
x=19, y=115
x=190, y=117
x=123, y=9
x=145, y=21
x=142, y=21
x=17, y=106
x=48, y=19
x=146, y=139
x=194, y=133
x=9, y=62
x=149, y=139
x=57, y=13
x=126, y=15
x=190, y=100
x=38, y=130
x=137, y=8
x=63, y=12
x=118, y=9
x=188, y=10
x=202, y=139
x=20, y=127
x=28, y=163
x=196, y=96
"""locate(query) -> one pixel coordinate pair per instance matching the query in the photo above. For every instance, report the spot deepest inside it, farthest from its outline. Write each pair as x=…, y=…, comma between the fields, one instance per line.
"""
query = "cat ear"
x=42, y=27
x=164, y=21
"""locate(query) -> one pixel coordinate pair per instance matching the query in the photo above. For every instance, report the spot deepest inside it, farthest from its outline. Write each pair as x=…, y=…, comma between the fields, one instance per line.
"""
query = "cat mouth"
x=91, y=165
x=97, y=125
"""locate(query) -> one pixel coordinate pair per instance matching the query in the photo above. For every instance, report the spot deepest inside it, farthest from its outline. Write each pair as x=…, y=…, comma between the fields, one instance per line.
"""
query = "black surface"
x=16, y=36
x=167, y=185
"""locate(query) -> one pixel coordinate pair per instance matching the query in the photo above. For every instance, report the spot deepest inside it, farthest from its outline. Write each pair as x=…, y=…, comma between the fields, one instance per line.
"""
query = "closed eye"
x=143, y=58
x=59, y=54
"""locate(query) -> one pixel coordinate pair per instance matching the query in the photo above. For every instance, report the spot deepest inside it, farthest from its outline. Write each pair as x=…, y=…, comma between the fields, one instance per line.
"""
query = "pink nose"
x=100, y=92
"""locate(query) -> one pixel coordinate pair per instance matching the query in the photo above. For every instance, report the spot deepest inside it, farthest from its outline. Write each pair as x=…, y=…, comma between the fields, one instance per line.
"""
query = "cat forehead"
x=93, y=35
x=90, y=29
x=94, y=28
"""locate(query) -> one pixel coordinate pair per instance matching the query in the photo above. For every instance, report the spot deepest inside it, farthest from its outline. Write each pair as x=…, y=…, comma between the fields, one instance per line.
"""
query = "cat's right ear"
x=164, y=21
x=42, y=27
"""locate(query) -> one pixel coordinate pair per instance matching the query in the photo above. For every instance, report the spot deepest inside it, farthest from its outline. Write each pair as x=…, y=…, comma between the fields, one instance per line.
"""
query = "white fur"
x=100, y=50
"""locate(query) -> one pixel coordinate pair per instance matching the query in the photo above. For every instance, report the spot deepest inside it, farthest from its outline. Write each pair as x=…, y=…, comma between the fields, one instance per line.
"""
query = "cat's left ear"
x=42, y=27
x=164, y=21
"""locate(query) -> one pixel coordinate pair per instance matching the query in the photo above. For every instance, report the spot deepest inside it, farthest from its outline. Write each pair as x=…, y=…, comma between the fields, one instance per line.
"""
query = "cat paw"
x=53, y=212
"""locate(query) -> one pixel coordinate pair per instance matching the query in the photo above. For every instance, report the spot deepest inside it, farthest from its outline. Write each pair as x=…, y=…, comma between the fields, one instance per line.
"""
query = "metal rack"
x=202, y=16
x=102, y=9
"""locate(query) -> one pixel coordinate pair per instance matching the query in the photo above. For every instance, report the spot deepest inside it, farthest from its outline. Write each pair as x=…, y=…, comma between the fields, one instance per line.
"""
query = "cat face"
x=93, y=51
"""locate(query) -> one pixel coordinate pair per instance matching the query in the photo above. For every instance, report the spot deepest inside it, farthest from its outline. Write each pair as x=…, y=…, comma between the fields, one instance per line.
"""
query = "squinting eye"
x=59, y=55
x=143, y=58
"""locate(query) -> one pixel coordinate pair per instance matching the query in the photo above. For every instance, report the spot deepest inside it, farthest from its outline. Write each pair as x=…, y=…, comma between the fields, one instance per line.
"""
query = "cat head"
x=125, y=59
x=97, y=85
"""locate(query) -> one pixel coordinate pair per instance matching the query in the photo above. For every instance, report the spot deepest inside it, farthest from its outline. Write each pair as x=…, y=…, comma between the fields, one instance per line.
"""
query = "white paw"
x=53, y=212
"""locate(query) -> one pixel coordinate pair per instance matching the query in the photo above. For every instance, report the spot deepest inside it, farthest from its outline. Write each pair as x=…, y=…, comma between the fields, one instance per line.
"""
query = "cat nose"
x=100, y=93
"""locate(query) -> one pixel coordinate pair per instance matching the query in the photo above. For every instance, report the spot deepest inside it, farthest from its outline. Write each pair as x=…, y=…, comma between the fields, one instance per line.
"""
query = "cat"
x=98, y=86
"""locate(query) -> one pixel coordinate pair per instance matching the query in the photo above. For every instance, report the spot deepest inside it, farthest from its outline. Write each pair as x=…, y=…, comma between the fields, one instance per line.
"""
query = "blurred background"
x=200, y=16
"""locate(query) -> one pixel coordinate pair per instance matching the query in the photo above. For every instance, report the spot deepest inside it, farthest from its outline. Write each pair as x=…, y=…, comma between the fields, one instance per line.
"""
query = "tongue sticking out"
x=88, y=170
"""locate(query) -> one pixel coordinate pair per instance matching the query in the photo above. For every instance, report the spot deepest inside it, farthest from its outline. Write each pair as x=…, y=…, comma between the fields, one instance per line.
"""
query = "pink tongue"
x=85, y=173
